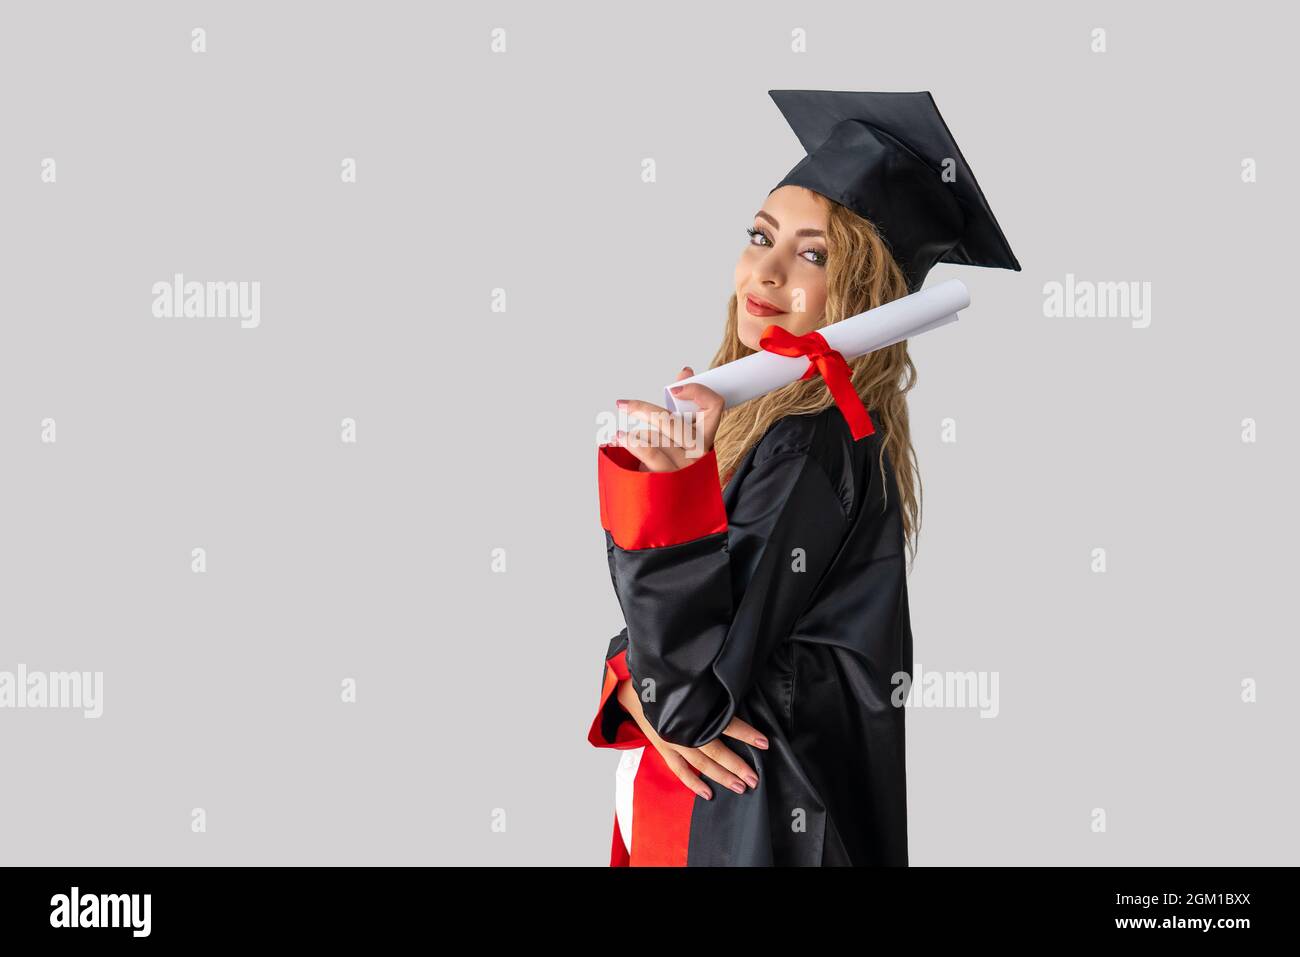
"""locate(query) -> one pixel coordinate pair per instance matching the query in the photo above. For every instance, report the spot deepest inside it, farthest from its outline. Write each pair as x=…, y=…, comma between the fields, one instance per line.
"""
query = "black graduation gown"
x=781, y=600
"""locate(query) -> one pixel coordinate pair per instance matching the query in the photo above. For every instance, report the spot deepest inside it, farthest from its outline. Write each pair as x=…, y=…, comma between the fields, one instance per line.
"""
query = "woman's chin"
x=749, y=330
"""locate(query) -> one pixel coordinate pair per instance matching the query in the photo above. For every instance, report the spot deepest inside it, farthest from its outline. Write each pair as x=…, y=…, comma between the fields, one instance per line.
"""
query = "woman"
x=759, y=557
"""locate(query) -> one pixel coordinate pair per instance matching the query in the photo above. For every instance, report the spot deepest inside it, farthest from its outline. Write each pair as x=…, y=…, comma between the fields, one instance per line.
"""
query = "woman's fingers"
x=724, y=756
x=663, y=429
x=649, y=438
x=742, y=731
x=712, y=769
x=709, y=414
x=680, y=767
x=666, y=440
x=701, y=395
x=654, y=459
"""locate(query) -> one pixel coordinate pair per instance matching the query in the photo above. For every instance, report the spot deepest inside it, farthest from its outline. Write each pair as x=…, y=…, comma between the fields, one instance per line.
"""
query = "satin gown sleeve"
x=613, y=727
x=706, y=595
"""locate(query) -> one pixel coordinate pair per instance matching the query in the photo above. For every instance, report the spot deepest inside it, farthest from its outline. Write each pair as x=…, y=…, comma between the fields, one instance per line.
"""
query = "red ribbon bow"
x=825, y=360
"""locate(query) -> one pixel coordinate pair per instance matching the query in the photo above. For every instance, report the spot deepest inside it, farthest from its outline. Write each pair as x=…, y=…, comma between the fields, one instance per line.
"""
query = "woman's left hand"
x=714, y=760
x=670, y=441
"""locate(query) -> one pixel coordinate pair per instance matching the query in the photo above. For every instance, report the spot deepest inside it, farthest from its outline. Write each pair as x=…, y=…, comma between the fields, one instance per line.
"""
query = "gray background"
x=477, y=430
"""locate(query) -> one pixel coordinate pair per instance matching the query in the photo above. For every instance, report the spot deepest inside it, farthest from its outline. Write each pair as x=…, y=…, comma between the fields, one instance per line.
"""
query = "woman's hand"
x=714, y=760
x=672, y=441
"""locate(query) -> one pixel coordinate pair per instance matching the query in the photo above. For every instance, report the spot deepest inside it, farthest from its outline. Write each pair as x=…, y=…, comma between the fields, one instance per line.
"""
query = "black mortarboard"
x=882, y=155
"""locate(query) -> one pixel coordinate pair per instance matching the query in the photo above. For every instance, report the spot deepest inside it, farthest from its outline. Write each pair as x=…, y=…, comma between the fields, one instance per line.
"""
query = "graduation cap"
x=883, y=156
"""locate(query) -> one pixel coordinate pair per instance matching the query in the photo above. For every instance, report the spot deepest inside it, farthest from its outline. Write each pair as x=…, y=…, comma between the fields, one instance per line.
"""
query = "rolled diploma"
x=763, y=372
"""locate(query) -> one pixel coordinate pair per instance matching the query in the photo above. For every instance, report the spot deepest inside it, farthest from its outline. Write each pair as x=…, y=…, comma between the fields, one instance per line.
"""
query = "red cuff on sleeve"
x=629, y=733
x=653, y=509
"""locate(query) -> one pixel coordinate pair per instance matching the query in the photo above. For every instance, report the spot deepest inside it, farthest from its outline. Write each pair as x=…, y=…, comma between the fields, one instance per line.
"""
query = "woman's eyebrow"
x=798, y=232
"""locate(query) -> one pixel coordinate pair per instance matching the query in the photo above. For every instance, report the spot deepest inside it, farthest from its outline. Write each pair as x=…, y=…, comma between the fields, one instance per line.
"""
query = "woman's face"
x=781, y=275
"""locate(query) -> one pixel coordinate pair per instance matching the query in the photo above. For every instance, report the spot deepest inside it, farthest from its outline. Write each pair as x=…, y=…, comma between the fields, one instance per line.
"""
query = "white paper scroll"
x=762, y=372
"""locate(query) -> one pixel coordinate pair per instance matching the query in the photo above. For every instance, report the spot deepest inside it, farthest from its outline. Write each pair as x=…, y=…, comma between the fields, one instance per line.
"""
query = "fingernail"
x=738, y=788
x=622, y=403
x=751, y=780
x=707, y=795
x=761, y=742
x=674, y=389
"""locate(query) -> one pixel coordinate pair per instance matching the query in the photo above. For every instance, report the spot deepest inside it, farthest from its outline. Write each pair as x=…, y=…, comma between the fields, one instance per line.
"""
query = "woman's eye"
x=814, y=256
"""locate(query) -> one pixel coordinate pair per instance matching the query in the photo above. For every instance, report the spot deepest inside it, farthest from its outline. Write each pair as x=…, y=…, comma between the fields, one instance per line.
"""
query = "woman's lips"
x=760, y=309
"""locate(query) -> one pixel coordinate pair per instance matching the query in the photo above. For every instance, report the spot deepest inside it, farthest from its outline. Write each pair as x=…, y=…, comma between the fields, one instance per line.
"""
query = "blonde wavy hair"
x=861, y=274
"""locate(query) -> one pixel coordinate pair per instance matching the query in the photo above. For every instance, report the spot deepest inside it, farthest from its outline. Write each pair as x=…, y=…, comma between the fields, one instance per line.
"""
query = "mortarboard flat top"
x=883, y=155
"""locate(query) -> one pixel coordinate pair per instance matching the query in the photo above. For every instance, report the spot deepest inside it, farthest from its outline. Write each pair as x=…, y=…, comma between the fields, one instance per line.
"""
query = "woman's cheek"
x=815, y=307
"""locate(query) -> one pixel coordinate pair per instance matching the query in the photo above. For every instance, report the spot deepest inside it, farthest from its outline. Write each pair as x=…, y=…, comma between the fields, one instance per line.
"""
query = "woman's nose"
x=769, y=270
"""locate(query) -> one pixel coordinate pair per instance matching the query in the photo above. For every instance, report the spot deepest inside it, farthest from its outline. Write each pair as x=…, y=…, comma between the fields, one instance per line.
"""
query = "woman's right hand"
x=714, y=760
